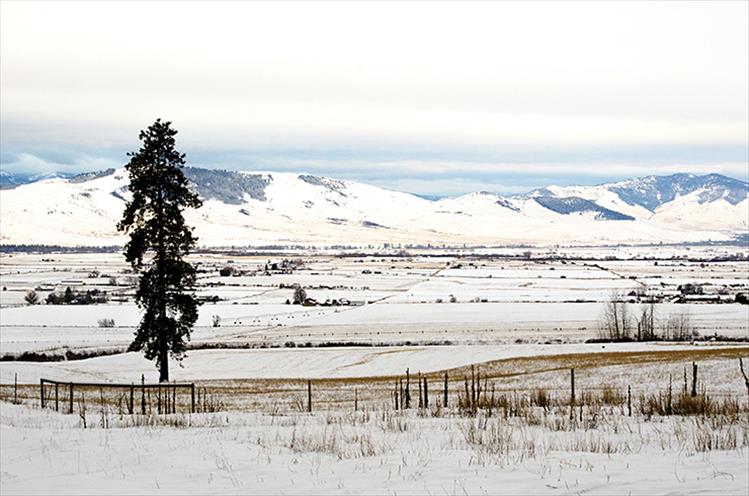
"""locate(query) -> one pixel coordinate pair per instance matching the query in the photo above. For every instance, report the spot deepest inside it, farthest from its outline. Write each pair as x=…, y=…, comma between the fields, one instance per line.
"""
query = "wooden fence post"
x=408, y=389
x=685, y=380
x=572, y=394
x=473, y=387
x=395, y=394
x=356, y=400
x=444, y=403
x=131, y=407
x=15, y=387
x=309, y=396
x=57, y=397
x=629, y=400
x=143, y=394
x=192, y=398
x=71, y=398
x=572, y=387
x=41, y=391
x=421, y=395
x=426, y=394
x=694, y=379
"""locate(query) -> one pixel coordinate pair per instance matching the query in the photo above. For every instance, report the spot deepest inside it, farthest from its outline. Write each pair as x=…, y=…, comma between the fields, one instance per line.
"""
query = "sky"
x=431, y=98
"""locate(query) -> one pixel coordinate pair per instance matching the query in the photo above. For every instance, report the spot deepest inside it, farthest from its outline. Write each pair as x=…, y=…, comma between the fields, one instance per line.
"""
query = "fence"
x=469, y=388
x=165, y=395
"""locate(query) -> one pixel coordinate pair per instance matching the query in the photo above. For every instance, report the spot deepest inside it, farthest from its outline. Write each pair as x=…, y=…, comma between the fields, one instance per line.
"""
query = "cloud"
x=326, y=75
x=27, y=163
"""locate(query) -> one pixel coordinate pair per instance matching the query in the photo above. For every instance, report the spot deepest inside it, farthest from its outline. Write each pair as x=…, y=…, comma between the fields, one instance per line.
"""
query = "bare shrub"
x=678, y=326
x=615, y=322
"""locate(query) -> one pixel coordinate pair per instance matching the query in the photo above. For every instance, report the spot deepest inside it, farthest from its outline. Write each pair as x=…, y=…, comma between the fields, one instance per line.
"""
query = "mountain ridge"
x=276, y=207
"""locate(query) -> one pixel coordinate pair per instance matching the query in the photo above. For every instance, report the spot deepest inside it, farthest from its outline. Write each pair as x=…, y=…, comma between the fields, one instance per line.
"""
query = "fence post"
x=473, y=387
x=445, y=399
x=15, y=388
x=132, y=398
x=71, y=398
x=685, y=380
x=395, y=394
x=572, y=386
x=57, y=397
x=143, y=394
x=192, y=398
x=41, y=391
x=426, y=394
x=572, y=394
x=694, y=379
x=629, y=400
x=421, y=396
x=408, y=389
x=309, y=396
x=356, y=400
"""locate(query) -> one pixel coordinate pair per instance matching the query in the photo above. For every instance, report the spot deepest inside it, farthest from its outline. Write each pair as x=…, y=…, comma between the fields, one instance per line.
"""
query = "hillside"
x=243, y=208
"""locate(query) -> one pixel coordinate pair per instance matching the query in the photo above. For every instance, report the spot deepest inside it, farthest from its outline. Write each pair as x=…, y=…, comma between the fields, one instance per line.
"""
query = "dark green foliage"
x=71, y=297
x=154, y=220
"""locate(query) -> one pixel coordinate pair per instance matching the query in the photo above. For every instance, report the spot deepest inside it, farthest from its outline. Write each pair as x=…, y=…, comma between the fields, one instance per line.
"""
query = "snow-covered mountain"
x=9, y=180
x=243, y=208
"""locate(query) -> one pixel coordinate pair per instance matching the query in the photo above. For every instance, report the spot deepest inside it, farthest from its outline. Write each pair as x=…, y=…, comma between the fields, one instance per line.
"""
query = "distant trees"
x=154, y=220
x=31, y=297
x=678, y=327
x=615, y=319
x=106, y=322
x=646, y=322
x=618, y=323
x=72, y=297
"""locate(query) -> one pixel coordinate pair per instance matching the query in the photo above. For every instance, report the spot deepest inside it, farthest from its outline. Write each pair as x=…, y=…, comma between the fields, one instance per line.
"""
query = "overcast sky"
x=431, y=98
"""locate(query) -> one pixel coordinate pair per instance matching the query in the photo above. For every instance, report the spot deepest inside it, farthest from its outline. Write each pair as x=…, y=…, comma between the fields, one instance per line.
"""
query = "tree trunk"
x=161, y=257
x=164, y=364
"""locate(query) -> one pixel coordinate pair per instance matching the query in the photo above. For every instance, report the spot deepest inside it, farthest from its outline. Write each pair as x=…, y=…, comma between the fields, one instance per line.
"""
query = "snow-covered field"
x=461, y=300
x=315, y=363
x=521, y=323
x=366, y=453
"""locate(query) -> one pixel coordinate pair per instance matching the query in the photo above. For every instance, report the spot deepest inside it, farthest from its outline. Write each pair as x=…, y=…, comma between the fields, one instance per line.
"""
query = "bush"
x=227, y=271
x=31, y=297
x=300, y=295
x=106, y=322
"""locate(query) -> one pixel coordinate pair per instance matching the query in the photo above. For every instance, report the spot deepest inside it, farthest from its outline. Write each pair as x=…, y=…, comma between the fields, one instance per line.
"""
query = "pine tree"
x=154, y=221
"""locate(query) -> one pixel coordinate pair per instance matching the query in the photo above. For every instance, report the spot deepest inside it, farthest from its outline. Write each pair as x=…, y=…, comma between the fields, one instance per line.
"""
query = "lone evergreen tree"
x=153, y=219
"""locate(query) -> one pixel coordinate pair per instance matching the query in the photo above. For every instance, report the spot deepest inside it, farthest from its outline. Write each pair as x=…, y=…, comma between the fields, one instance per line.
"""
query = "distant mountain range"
x=8, y=180
x=250, y=208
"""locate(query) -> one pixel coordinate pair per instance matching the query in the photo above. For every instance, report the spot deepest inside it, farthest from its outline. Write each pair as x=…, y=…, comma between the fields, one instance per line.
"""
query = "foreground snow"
x=377, y=453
